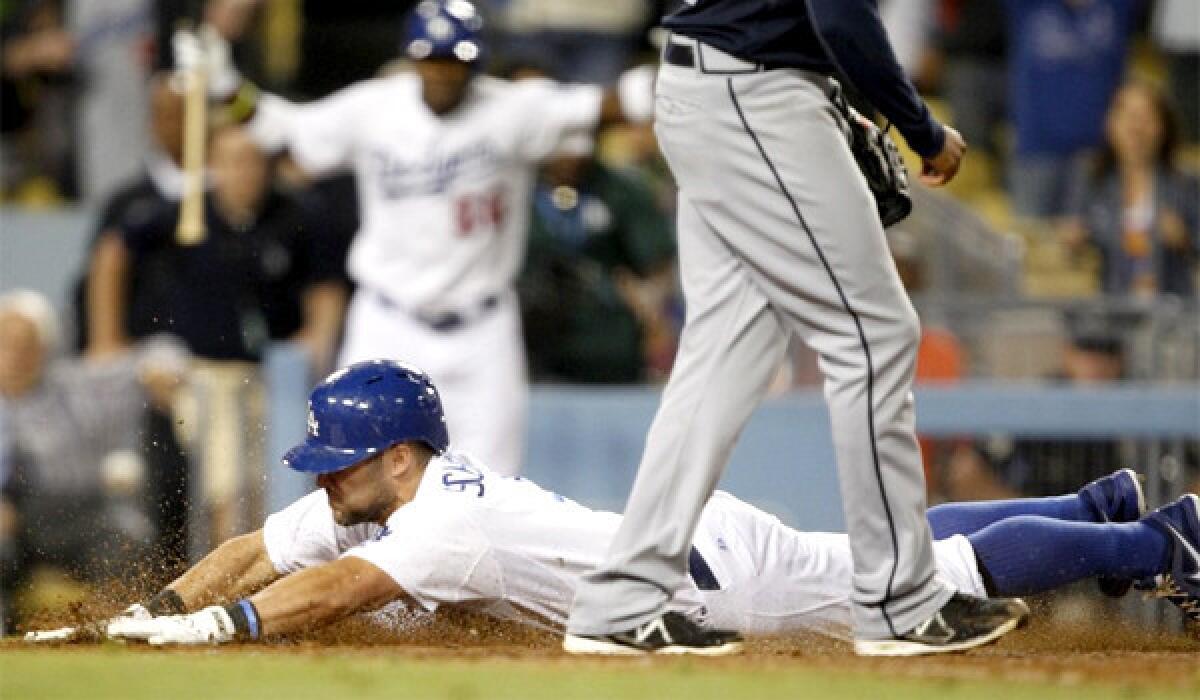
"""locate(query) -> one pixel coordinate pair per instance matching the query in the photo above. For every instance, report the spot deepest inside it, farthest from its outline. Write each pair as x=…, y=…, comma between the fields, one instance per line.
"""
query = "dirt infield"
x=1135, y=663
x=1043, y=653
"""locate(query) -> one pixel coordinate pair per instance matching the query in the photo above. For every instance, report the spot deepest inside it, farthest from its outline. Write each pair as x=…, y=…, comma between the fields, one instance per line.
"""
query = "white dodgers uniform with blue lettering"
x=444, y=204
x=505, y=547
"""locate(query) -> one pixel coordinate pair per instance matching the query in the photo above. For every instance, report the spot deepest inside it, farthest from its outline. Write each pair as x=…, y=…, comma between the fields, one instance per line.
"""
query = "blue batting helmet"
x=444, y=29
x=363, y=409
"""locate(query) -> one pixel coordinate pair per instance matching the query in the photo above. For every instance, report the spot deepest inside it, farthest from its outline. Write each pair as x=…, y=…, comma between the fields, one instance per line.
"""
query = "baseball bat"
x=190, y=228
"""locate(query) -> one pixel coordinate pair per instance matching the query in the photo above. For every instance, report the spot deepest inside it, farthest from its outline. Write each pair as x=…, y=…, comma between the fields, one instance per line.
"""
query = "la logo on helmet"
x=312, y=422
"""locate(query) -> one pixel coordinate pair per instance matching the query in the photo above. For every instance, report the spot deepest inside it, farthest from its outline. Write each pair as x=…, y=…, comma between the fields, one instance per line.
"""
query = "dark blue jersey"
x=826, y=36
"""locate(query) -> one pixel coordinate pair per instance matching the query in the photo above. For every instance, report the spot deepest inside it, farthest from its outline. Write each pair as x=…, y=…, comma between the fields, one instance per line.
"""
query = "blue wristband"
x=251, y=617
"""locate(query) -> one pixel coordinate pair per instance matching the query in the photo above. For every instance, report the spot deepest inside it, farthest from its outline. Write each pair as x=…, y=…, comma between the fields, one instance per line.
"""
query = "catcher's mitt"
x=879, y=160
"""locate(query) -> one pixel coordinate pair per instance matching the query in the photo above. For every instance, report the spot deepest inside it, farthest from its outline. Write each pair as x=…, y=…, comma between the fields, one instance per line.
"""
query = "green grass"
x=112, y=672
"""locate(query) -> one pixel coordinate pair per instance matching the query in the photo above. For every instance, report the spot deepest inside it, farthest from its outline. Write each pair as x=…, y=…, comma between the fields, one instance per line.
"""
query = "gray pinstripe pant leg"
x=778, y=236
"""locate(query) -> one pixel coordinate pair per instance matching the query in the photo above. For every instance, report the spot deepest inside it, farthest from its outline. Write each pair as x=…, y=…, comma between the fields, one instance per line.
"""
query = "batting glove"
x=223, y=77
x=206, y=50
x=187, y=50
x=212, y=625
x=90, y=632
x=137, y=611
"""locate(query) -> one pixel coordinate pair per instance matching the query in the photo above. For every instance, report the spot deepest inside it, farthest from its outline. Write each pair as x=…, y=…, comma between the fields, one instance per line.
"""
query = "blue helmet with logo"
x=444, y=29
x=361, y=410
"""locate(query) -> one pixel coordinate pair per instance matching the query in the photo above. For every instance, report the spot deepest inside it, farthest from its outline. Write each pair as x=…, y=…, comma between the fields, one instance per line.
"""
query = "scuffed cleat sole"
x=575, y=644
x=903, y=647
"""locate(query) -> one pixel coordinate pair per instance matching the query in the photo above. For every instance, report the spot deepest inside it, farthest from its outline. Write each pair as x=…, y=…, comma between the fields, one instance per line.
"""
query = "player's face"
x=359, y=494
x=443, y=83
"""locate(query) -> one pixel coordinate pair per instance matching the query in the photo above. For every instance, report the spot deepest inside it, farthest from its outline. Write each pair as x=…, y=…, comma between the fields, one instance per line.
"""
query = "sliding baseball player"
x=400, y=516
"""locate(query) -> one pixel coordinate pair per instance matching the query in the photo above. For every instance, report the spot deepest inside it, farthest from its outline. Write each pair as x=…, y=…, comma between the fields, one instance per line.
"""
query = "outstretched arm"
x=310, y=598
x=323, y=594
x=319, y=136
x=235, y=569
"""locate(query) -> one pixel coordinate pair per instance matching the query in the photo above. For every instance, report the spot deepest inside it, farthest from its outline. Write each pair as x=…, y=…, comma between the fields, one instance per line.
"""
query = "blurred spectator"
x=941, y=358
x=940, y=355
x=114, y=41
x=78, y=494
x=36, y=57
x=76, y=72
x=1135, y=205
x=159, y=184
x=1177, y=32
x=598, y=273
x=909, y=25
x=266, y=270
x=583, y=40
x=972, y=41
x=1066, y=59
x=263, y=271
x=1007, y=468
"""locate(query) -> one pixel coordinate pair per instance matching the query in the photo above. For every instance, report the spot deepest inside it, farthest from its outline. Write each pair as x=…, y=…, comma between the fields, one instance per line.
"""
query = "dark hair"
x=1105, y=162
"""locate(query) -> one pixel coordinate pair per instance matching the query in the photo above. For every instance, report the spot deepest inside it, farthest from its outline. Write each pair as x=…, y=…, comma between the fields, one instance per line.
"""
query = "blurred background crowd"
x=1066, y=252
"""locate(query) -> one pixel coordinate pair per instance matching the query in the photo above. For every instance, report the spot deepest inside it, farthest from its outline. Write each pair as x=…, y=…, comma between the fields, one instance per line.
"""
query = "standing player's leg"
x=1115, y=498
x=828, y=270
x=491, y=389
x=369, y=330
x=730, y=347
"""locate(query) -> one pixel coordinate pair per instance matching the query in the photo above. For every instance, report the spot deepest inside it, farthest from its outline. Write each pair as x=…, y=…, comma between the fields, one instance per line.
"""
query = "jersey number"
x=486, y=210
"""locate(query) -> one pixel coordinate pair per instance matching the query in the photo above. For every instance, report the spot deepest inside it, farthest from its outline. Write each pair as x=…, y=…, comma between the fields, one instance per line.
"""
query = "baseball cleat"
x=965, y=622
x=1116, y=498
x=671, y=633
x=1180, y=522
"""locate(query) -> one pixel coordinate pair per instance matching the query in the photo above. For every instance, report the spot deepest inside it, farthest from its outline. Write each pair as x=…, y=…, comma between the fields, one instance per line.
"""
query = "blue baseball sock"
x=971, y=516
x=1030, y=554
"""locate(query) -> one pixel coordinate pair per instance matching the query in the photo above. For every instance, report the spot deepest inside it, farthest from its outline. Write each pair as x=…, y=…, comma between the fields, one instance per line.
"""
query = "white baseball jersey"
x=443, y=199
x=508, y=548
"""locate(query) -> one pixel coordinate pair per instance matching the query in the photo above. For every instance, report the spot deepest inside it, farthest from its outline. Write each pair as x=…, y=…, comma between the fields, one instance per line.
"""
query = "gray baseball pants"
x=778, y=235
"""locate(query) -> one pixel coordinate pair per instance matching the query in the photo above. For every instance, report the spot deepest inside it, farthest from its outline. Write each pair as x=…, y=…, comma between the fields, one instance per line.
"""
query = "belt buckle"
x=677, y=54
x=744, y=67
x=447, y=321
x=443, y=323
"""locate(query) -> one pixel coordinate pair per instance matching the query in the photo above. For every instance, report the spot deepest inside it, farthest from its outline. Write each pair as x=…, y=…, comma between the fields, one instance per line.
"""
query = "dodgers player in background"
x=445, y=160
x=401, y=517
x=779, y=237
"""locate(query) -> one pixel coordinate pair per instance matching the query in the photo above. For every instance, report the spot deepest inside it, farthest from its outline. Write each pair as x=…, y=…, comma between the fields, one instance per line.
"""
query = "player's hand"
x=89, y=632
x=187, y=50
x=206, y=50
x=223, y=76
x=942, y=168
x=211, y=625
x=137, y=611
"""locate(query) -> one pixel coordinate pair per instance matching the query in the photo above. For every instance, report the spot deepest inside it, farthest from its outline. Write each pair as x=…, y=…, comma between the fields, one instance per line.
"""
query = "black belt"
x=679, y=55
x=446, y=321
x=701, y=573
x=684, y=55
